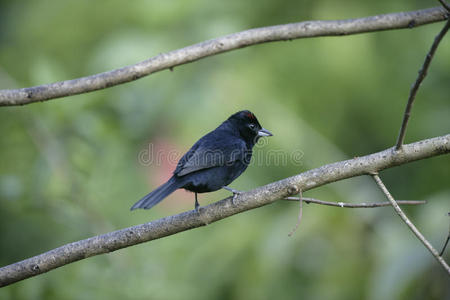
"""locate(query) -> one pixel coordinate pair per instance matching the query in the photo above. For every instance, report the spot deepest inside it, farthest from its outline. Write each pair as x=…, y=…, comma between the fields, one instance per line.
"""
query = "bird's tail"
x=157, y=195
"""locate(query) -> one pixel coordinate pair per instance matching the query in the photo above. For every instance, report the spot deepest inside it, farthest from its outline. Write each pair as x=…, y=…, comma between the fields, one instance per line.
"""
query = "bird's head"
x=248, y=126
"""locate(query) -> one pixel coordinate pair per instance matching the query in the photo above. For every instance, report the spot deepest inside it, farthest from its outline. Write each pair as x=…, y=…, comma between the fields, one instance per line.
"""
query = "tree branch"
x=264, y=195
x=411, y=226
x=226, y=43
x=416, y=85
x=354, y=205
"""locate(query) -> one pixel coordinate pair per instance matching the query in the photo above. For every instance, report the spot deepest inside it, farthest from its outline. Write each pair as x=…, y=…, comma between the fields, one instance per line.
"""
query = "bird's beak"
x=264, y=132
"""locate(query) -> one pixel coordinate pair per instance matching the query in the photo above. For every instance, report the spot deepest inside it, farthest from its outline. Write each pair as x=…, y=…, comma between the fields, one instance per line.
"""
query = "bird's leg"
x=235, y=192
x=197, y=205
x=232, y=190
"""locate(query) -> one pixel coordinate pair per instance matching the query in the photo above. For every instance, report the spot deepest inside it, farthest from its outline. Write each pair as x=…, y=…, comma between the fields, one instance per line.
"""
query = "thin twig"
x=354, y=205
x=410, y=224
x=302, y=199
x=226, y=43
x=446, y=242
x=445, y=5
x=300, y=213
x=416, y=85
x=445, y=245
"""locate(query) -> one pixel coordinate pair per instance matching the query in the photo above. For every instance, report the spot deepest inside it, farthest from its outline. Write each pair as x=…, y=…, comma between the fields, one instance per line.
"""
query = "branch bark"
x=12, y=97
x=370, y=164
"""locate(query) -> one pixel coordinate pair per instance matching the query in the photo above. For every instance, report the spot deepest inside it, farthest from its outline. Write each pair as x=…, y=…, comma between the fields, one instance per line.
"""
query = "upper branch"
x=369, y=164
x=215, y=46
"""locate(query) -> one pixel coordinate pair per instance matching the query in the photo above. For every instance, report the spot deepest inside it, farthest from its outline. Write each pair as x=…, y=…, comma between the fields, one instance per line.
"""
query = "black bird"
x=214, y=161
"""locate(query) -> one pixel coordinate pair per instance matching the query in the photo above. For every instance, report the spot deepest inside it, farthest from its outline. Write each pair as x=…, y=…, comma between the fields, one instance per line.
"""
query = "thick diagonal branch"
x=219, y=45
x=410, y=224
x=188, y=220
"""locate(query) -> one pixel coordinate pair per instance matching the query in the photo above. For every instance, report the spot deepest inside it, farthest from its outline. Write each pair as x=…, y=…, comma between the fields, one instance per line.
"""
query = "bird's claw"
x=235, y=193
x=234, y=197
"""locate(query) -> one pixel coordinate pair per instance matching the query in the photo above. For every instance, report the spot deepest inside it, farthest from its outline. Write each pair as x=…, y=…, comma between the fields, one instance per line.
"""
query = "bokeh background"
x=71, y=168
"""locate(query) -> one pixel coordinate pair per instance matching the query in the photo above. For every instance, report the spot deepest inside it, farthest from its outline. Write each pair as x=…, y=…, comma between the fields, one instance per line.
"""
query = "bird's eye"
x=252, y=126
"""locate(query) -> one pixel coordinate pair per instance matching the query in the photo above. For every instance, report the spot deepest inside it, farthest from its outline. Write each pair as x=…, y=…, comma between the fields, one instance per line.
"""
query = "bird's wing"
x=212, y=150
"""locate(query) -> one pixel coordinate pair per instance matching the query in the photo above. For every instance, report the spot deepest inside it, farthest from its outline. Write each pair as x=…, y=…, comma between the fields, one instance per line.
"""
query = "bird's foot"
x=235, y=193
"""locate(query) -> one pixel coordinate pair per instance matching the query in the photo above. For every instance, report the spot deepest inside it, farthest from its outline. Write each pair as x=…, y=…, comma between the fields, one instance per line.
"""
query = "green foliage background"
x=69, y=168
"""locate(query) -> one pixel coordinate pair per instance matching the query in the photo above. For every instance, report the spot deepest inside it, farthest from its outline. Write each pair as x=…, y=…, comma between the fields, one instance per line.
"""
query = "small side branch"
x=416, y=85
x=410, y=224
x=354, y=205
